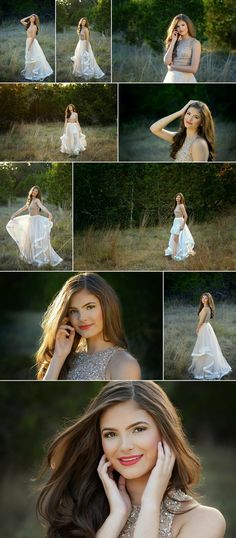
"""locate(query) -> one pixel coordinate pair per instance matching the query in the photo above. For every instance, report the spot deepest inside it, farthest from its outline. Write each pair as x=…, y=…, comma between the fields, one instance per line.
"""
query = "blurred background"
x=28, y=296
x=33, y=412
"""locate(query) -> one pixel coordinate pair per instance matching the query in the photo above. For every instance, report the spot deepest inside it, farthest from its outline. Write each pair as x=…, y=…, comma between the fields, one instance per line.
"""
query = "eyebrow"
x=87, y=304
x=131, y=426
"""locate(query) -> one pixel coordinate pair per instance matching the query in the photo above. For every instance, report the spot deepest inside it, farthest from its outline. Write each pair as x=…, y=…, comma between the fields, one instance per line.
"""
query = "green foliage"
x=220, y=26
x=45, y=9
x=6, y=183
x=97, y=12
x=222, y=285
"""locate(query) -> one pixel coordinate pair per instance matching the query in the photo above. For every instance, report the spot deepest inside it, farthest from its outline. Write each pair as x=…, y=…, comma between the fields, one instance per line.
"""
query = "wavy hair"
x=206, y=130
x=36, y=23
x=58, y=310
x=29, y=197
x=211, y=303
x=73, y=501
x=68, y=112
x=172, y=27
x=79, y=27
x=182, y=199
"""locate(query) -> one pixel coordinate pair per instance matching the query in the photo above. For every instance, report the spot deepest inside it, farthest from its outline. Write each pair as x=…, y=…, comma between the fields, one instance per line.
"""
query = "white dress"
x=186, y=242
x=73, y=141
x=208, y=361
x=183, y=57
x=85, y=65
x=36, y=65
x=32, y=236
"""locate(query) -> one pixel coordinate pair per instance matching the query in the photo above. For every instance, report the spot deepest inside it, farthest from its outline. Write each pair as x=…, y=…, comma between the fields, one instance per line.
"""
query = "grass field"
x=66, y=44
x=217, y=489
x=12, y=59
x=137, y=143
x=132, y=63
x=143, y=248
x=180, y=336
x=41, y=142
x=61, y=240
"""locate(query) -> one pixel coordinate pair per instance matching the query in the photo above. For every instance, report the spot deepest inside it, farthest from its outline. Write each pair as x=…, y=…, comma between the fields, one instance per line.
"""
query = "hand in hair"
x=185, y=107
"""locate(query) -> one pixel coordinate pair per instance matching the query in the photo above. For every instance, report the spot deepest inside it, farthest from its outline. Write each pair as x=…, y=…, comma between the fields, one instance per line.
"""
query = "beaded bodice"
x=169, y=508
x=207, y=316
x=184, y=51
x=177, y=212
x=90, y=366
x=33, y=209
x=184, y=154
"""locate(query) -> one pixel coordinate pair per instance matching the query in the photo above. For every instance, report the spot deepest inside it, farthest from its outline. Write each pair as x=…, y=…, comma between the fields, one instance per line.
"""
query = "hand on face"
x=175, y=36
x=64, y=340
x=160, y=475
x=117, y=495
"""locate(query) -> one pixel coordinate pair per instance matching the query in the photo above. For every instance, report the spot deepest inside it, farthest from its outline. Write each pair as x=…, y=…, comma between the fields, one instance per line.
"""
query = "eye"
x=139, y=429
x=73, y=312
x=91, y=306
x=109, y=435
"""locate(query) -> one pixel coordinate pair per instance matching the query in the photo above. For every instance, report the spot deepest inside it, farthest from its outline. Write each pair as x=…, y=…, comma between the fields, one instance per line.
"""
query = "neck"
x=97, y=343
x=187, y=36
x=190, y=132
x=136, y=488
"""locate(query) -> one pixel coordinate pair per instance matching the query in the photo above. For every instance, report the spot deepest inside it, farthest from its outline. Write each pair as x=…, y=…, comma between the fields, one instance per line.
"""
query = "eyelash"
x=111, y=435
x=89, y=307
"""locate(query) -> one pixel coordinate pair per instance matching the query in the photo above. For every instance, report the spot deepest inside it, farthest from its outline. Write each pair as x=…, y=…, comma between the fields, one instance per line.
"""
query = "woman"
x=36, y=65
x=195, y=139
x=181, y=243
x=83, y=337
x=32, y=232
x=183, y=51
x=125, y=469
x=85, y=65
x=73, y=141
x=208, y=361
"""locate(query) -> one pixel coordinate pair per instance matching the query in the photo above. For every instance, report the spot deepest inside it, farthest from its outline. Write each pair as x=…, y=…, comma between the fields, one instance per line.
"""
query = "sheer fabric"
x=85, y=65
x=36, y=65
x=73, y=141
x=208, y=361
x=185, y=244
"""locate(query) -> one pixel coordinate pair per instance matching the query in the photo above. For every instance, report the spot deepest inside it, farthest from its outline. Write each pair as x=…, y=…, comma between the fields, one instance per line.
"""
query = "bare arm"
x=193, y=67
x=202, y=317
x=77, y=121
x=169, y=53
x=63, y=345
x=200, y=151
x=44, y=208
x=205, y=522
x=184, y=214
x=123, y=366
x=25, y=20
x=19, y=211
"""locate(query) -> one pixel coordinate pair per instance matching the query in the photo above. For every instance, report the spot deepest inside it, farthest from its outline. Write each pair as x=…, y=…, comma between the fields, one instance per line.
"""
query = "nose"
x=126, y=442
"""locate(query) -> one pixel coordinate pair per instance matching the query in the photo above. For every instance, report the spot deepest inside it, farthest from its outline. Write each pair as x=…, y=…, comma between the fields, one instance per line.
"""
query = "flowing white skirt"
x=32, y=236
x=177, y=76
x=185, y=244
x=36, y=65
x=208, y=361
x=73, y=141
x=85, y=65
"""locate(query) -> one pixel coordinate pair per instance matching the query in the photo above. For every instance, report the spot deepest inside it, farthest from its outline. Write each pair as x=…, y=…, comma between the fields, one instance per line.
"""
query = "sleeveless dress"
x=166, y=516
x=32, y=236
x=73, y=141
x=36, y=65
x=85, y=65
x=208, y=361
x=186, y=242
x=90, y=366
x=183, y=57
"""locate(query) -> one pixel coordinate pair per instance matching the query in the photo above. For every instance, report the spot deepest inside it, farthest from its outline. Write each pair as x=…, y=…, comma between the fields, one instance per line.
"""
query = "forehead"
x=181, y=21
x=193, y=110
x=121, y=415
x=82, y=297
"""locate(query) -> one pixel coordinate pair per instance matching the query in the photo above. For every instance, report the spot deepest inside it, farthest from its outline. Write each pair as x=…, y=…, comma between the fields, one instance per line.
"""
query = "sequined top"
x=90, y=366
x=177, y=212
x=184, y=154
x=33, y=209
x=184, y=52
x=169, y=508
x=206, y=313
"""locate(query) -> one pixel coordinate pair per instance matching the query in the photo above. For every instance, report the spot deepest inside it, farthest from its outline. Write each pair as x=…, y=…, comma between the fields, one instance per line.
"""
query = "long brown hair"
x=112, y=325
x=182, y=199
x=29, y=197
x=73, y=501
x=68, y=112
x=79, y=28
x=36, y=23
x=211, y=303
x=205, y=130
x=172, y=27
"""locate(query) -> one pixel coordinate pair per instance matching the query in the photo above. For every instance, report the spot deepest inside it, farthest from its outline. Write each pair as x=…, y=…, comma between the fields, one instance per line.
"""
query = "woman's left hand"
x=50, y=216
x=160, y=475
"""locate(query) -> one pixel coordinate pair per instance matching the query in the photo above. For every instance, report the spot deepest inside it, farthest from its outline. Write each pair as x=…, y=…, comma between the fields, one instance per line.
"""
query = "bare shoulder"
x=124, y=366
x=203, y=521
x=200, y=143
x=196, y=42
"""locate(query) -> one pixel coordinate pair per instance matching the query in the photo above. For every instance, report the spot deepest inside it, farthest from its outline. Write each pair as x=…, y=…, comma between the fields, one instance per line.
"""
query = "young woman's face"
x=83, y=22
x=32, y=19
x=192, y=118
x=85, y=314
x=205, y=299
x=35, y=193
x=178, y=199
x=182, y=28
x=130, y=438
x=70, y=108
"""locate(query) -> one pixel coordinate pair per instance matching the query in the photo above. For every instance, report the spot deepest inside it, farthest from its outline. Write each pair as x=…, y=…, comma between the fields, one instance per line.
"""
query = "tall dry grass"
x=132, y=63
x=12, y=59
x=66, y=44
x=61, y=240
x=41, y=142
x=137, y=143
x=143, y=248
x=180, y=323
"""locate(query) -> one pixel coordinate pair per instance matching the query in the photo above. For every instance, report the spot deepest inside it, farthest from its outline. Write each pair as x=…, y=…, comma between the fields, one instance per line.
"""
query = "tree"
x=220, y=27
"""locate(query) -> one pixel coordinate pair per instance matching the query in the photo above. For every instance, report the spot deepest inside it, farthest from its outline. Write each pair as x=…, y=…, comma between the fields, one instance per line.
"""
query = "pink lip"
x=130, y=460
x=85, y=327
x=188, y=122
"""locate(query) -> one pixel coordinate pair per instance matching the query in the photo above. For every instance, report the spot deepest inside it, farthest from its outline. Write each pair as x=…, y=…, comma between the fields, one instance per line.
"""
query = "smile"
x=130, y=460
x=85, y=327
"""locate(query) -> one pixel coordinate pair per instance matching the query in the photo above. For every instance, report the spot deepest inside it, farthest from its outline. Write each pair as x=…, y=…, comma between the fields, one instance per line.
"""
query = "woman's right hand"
x=117, y=496
x=64, y=340
x=185, y=107
x=175, y=36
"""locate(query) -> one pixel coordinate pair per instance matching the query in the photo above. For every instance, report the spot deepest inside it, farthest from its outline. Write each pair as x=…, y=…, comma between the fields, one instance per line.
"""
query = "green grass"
x=180, y=337
x=66, y=44
x=137, y=143
x=143, y=248
x=41, y=142
x=217, y=489
x=13, y=38
x=61, y=240
x=132, y=63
